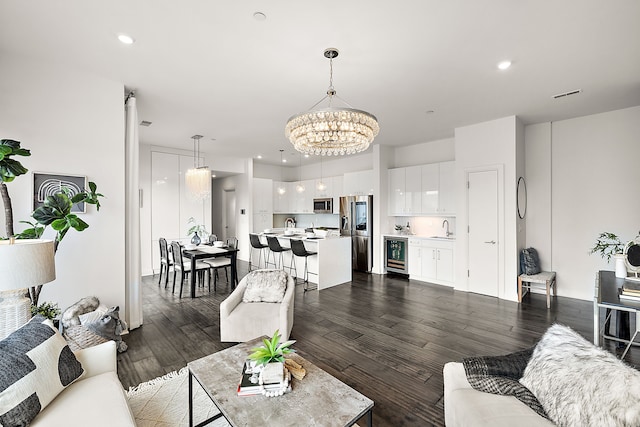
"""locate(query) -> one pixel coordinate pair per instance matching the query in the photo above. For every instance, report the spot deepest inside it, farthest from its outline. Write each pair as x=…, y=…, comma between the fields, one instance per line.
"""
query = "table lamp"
x=23, y=264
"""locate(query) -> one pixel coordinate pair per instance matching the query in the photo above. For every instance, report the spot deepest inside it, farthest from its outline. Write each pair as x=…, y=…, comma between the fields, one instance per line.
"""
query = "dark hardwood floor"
x=385, y=336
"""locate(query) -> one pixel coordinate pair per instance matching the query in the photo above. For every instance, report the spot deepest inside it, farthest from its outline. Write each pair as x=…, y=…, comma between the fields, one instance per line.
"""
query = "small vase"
x=621, y=267
x=195, y=239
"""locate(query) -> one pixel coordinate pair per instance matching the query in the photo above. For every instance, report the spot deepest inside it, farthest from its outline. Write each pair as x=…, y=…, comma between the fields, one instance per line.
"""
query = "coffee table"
x=317, y=400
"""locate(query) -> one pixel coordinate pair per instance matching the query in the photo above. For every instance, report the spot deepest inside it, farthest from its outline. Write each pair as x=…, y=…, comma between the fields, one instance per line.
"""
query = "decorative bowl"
x=289, y=232
x=190, y=246
x=218, y=243
x=311, y=234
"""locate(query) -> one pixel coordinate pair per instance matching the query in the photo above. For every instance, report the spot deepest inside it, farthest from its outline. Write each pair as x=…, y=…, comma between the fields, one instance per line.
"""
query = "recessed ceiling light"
x=258, y=156
x=259, y=16
x=504, y=65
x=126, y=39
x=284, y=160
x=213, y=175
x=306, y=156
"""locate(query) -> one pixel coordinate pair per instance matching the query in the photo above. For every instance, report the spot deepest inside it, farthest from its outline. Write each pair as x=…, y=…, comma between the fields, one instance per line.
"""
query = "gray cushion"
x=579, y=384
x=265, y=286
x=35, y=366
x=529, y=262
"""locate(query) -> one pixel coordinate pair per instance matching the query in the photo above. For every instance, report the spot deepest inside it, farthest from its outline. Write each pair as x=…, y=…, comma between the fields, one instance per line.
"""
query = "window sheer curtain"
x=133, y=274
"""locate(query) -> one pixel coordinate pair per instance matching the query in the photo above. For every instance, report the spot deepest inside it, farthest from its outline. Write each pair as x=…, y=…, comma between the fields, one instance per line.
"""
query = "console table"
x=607, y=295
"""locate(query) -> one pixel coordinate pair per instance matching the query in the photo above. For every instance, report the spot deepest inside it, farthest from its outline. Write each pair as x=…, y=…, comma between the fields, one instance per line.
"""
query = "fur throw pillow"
x=70, y=317
x=110, y=326
x=265, y=286
x=579, y=384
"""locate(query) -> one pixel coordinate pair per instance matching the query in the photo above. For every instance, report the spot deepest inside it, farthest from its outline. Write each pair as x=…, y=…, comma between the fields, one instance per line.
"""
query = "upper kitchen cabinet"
x=447, y=200
x=280, y=197
x=262, y=195
x=325, y=192
x=358, y=183
x=405, y=191
x=337, y=182
x=422, y=190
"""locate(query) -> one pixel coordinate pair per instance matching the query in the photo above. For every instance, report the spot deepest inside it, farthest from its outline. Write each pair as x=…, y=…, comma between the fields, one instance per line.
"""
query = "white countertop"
x=416, y=236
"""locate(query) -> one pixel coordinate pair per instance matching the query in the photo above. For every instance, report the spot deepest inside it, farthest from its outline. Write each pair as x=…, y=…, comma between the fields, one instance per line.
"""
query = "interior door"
x=482, y=196
x=229, y=220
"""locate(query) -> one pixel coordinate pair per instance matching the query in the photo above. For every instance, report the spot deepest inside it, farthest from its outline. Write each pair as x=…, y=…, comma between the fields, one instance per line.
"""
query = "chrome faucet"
x=445, y=222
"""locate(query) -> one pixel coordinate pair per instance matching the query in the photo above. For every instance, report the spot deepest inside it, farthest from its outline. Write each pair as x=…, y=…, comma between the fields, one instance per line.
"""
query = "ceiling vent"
x=145, y=123
x=562, y=95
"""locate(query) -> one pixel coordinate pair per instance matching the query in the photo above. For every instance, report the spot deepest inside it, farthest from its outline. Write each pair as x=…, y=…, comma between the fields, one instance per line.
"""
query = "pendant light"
x=332, y=131
x=281, y=189
x=198, y=178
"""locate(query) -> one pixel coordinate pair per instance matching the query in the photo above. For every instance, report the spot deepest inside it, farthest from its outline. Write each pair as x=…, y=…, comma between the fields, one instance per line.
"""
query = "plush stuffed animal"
x=110, y=326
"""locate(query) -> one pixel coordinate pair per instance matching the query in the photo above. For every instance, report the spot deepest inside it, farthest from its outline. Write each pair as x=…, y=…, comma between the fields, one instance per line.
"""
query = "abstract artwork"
x=47, y=184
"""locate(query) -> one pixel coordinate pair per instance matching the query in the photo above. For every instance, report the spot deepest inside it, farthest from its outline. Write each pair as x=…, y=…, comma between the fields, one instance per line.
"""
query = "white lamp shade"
x=26, y=263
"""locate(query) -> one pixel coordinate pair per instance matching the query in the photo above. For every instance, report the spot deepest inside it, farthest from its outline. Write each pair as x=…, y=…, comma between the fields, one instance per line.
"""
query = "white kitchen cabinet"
x=328, y=188
x=358, y=183
x=337, y=183
x=262, y=195
x=301, y=201
x=405, y=195
x=280, y=200
x=430, y=187
x=262, y=221
x=447, y=193
x=431, y=260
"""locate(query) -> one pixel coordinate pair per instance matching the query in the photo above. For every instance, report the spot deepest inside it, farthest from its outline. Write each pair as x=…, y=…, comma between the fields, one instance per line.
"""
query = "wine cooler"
x=396, y=254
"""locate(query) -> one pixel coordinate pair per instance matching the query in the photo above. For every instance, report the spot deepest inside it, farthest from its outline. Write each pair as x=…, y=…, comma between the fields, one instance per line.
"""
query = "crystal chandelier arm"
x=342, y=99
x=319, y=102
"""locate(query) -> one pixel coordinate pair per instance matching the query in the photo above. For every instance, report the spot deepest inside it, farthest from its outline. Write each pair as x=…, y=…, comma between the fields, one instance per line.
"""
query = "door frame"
x=499, y=168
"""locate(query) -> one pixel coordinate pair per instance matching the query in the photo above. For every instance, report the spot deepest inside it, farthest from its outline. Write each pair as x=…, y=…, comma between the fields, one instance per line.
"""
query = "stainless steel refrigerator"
x=356, y=220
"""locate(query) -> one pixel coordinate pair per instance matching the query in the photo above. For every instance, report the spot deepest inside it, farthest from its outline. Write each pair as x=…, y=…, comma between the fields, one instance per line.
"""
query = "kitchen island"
x=330, y=267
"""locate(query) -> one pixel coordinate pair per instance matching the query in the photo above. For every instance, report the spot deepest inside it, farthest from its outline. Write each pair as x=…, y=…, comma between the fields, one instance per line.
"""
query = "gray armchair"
x=242, y=321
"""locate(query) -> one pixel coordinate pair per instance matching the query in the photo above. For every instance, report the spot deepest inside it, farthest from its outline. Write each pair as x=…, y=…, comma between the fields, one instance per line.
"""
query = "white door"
x=229, y=220
x=482, y=195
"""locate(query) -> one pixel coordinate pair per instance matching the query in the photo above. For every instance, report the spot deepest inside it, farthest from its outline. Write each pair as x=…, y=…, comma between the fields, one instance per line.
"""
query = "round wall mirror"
x=521, y=196
x=632, y=256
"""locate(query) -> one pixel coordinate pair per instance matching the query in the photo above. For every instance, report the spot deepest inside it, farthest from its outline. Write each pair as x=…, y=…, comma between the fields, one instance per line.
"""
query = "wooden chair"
x=185, y=268
x=544, y=279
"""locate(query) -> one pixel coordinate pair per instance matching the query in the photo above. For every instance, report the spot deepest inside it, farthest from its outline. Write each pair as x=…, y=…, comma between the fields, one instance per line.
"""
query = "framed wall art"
x=47, y=184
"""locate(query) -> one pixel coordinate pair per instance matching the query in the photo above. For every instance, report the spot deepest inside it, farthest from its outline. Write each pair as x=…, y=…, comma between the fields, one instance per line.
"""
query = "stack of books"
x=630, y=291
x=250, y=382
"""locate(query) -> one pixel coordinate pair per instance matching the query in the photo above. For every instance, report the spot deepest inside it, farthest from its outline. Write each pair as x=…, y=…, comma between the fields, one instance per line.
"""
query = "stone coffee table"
x=318, y=400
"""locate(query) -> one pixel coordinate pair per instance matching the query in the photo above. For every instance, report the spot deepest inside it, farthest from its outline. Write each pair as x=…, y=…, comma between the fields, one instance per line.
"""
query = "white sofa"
x=97, y=399
x=464, y=406
x=241, y=322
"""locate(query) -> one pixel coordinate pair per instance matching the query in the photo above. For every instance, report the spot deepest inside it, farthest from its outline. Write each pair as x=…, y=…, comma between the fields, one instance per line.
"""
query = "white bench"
x=545, y=278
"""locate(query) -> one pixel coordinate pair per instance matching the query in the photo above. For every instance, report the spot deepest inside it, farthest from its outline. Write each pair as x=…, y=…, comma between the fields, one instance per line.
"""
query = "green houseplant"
x=55, y=211
x=47, y=309
x=607, y=245
x=272, y=350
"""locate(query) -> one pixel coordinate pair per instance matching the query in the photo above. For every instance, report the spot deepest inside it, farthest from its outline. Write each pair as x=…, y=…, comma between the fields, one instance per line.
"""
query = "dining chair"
x=165, y=261
x=185, y=268
x=212, y=238
x=254, y=239
x=217, y=263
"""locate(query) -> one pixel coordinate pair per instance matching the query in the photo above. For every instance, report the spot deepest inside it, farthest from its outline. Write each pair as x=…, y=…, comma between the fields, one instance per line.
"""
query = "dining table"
x=208, y=251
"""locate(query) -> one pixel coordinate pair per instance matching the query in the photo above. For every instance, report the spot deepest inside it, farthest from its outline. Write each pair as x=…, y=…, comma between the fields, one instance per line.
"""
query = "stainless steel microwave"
x=323, y=206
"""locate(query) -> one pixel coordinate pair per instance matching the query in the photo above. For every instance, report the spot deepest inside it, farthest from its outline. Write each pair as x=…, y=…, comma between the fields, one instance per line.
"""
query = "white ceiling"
x=208, y=67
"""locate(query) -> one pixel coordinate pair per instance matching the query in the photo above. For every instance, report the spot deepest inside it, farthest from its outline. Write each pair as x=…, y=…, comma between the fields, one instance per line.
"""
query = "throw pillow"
x=579, y=384
x=530, y=263
x=35, y=366
x=265, y=286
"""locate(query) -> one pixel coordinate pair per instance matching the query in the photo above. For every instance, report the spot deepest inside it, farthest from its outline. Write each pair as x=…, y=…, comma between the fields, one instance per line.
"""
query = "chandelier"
x=198, y=178
x=332, y=131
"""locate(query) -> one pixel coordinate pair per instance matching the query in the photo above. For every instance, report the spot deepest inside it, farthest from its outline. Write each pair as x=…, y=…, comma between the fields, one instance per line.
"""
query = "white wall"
x=442, y=150
x=73, y=122
x=331, y=166
x=482, y=145
x=593, y=177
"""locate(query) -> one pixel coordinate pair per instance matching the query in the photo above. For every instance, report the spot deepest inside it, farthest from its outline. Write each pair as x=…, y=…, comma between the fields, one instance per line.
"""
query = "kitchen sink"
x=441, y=237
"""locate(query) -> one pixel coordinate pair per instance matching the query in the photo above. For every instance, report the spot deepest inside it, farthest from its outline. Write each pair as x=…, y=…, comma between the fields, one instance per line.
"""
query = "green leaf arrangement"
x=272, y=350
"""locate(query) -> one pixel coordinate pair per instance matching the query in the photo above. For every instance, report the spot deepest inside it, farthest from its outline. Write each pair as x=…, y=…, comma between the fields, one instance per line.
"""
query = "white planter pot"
x=621, y=267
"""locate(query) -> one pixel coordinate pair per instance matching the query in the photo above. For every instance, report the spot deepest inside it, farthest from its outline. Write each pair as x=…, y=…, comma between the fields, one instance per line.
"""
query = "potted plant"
x=609, y=245
x=272, y=350
x=194, y=229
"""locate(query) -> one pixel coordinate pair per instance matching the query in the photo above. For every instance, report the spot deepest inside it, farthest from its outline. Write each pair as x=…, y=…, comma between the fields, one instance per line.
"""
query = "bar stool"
x=297, y=246
x=256, y=244
x=275, y=248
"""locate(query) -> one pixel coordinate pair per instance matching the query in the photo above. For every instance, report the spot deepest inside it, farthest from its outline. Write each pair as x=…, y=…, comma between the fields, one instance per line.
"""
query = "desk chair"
x=185, y=268
x=297, y=246
x=254, y=239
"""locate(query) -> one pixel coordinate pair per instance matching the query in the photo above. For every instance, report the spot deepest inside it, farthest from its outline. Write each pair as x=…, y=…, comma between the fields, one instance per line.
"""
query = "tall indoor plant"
x=55, y=211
